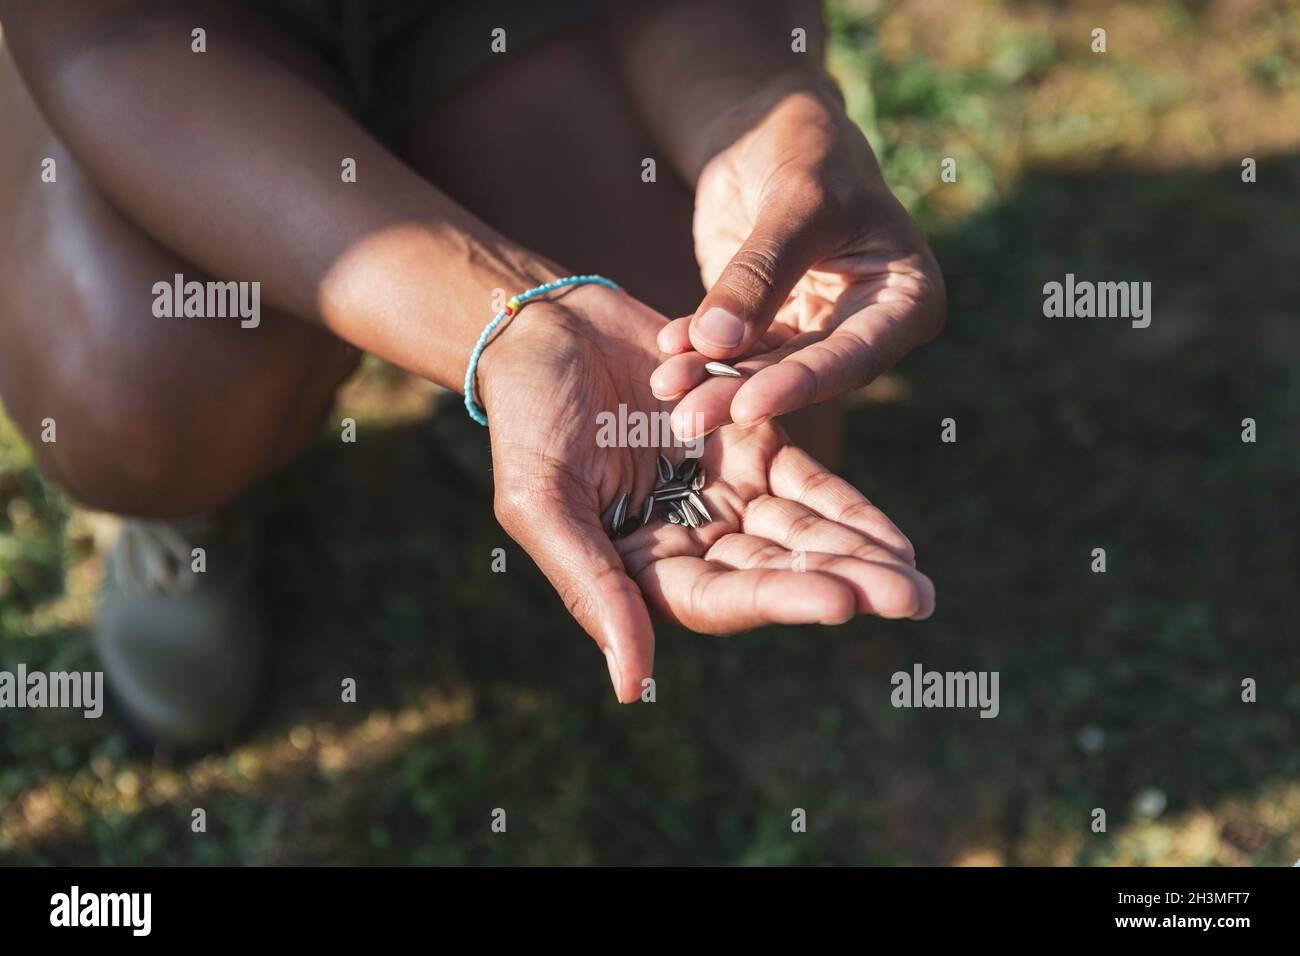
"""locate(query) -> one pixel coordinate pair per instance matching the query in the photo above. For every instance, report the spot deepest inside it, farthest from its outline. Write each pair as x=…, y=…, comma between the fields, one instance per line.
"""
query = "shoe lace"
x=152, y=558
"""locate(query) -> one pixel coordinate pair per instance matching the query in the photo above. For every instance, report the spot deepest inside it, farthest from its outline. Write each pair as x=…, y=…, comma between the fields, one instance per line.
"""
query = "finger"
x=885, y=589
x=799, y=528
x=678, y=375
x=798, y=476
x=855, y=353
x=785, y=242
x=711, y=599
x=570, y=546
x=675, y=337
x=703, y=409
x=705, y=401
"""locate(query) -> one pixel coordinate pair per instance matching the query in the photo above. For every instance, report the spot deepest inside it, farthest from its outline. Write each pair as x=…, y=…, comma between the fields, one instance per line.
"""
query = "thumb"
x=756, y=282
x=570, y=546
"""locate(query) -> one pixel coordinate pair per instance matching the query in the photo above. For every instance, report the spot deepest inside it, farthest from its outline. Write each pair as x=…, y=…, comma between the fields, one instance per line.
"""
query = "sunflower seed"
x=620, y=512
x=688, y=514
x=697, y=503
x=665, y=469
x=722, y=370
x=671, y=494
x=674, y=498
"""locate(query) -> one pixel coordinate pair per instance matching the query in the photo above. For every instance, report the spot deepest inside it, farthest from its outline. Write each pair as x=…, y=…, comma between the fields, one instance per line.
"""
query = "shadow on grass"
x=1073, y=434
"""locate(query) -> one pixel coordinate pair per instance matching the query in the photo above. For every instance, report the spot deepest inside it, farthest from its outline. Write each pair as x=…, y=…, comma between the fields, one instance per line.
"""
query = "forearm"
x=235, y=162
x=702, y=71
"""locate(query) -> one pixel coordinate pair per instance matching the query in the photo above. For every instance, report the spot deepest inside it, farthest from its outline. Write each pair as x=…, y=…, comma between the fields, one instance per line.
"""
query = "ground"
x=1119, y=691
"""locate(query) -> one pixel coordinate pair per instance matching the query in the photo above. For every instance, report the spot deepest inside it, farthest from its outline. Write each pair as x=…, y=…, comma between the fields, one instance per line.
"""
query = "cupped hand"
x=817, y=276
x=788, y=542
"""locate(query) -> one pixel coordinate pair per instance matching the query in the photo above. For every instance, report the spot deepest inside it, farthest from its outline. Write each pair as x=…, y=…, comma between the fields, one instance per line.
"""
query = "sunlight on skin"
x=798, y=357
x=854, y=560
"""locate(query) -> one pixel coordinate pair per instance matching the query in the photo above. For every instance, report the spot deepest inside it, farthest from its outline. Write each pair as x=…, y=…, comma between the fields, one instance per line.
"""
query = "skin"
x=556, y=488
x=816, y=275
x=242, y=181
x=805, y=251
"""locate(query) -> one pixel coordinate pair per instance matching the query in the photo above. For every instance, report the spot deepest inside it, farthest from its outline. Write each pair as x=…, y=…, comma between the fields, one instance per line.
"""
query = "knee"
x=131, y=449
x=127, y=427
x=164, y=434
x=148, y=417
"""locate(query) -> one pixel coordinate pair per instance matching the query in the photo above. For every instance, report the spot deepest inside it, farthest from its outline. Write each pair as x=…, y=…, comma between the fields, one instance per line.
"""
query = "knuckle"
x=814, y=482
x=576, y=598
x=753, y=269
x=860, y=512
x=799, y=526
x=508, y=504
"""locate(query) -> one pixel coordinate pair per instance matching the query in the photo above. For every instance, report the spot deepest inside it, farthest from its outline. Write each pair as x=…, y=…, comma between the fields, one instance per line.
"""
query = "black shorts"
x=396, y=58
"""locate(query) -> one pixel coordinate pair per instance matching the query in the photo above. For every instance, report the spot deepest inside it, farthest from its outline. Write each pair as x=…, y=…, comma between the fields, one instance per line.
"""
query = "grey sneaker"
x=180, y=633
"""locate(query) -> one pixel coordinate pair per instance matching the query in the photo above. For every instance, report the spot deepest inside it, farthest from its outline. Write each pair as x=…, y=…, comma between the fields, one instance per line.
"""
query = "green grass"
x=478, y=692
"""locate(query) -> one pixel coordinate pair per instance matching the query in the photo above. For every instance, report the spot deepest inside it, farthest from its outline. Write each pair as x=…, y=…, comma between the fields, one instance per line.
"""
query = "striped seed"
x=688, y=514
x=671, y=494
x=722, y=370
x=697, y=503
x=620, y=512
x=648, y=511
x=665, y=469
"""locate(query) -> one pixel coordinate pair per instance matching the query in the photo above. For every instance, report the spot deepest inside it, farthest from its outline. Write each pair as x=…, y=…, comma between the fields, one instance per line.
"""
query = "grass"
x=1119, y=691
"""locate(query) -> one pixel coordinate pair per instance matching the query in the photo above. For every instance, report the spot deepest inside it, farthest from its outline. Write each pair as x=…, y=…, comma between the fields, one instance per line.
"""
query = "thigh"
x=547, y=149
x=194, y=408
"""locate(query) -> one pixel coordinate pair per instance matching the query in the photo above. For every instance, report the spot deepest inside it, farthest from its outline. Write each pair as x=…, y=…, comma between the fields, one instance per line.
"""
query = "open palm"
x=788, y=543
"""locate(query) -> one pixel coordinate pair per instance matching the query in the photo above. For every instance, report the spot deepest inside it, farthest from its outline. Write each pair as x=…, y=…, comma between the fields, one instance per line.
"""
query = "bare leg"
x=155, y=417
x=546, y=149
x=164, y=418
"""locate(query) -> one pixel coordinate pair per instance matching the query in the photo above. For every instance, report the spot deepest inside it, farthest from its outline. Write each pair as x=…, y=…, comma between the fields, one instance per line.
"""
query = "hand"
x=814, y=269
x=551, y=372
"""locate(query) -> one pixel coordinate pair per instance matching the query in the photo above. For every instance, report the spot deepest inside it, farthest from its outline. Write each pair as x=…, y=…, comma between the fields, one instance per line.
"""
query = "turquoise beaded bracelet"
x=514, y=305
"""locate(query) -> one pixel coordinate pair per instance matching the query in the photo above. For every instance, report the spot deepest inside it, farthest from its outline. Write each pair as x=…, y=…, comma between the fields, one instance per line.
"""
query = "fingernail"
x=612, y=661
x=721, y=327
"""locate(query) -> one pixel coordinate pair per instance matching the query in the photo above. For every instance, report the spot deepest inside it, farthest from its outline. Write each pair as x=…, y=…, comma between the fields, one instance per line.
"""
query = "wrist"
x=549, y=330
x=497, y=272
x=737, y=116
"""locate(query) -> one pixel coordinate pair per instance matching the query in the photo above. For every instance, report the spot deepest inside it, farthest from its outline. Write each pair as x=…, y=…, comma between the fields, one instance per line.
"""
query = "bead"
x=514, y=304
